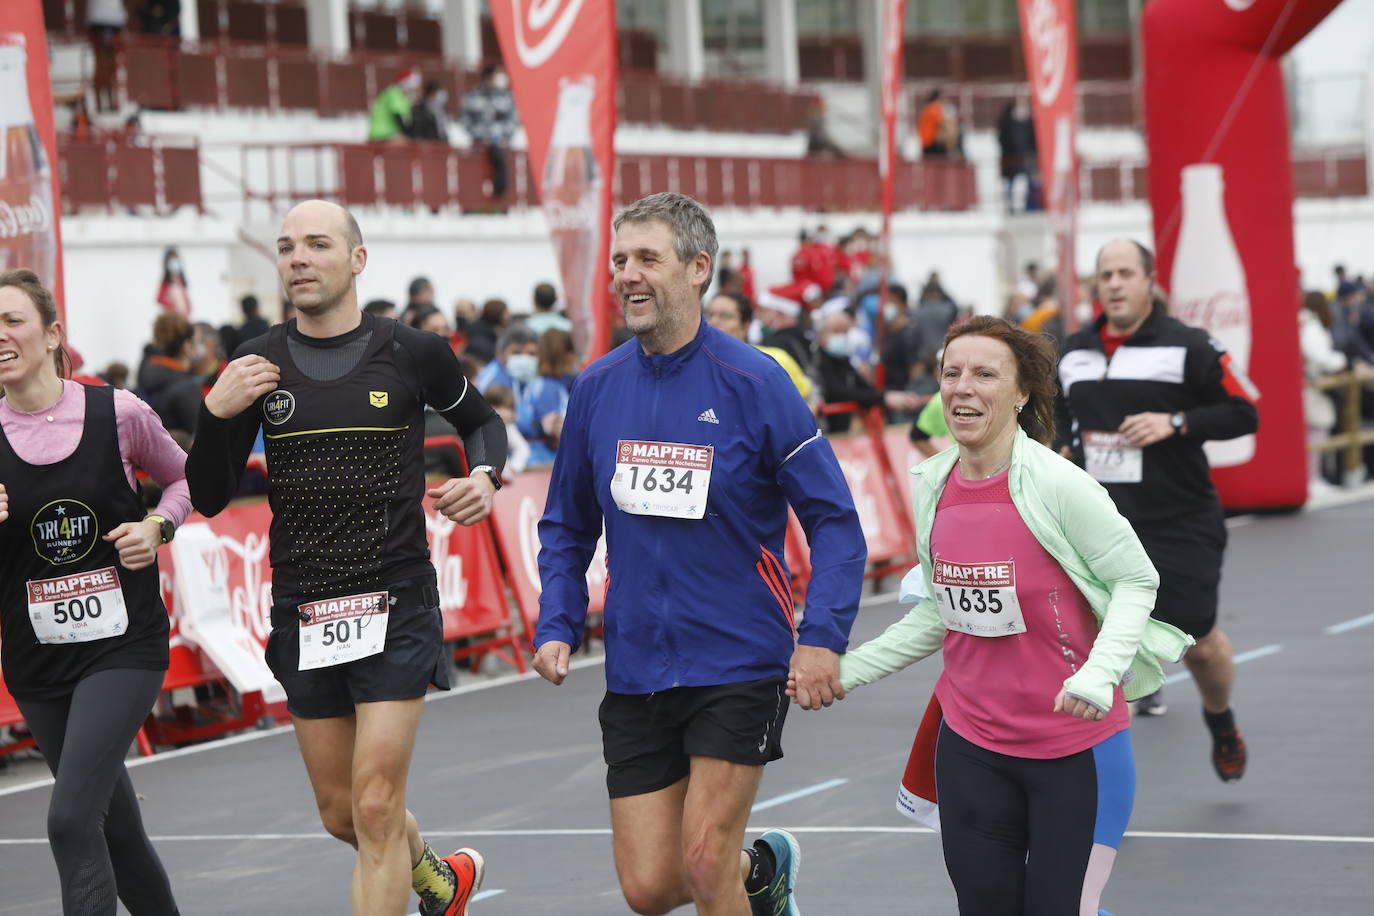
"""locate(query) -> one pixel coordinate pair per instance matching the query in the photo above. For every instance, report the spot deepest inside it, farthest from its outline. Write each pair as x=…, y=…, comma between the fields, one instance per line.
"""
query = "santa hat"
x=779, y=299
x=409, y=78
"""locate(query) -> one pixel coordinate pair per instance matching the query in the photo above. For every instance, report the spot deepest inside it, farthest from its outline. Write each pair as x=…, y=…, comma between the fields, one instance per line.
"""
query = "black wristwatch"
x=164, y=527
x=1177, y=421
x=490, y=472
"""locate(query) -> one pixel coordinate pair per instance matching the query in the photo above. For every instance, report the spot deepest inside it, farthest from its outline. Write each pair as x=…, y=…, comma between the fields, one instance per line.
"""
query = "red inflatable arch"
x=1214, y=98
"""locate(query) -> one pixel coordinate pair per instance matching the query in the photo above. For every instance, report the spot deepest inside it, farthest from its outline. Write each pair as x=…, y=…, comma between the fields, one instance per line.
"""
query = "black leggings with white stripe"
x=94, y=825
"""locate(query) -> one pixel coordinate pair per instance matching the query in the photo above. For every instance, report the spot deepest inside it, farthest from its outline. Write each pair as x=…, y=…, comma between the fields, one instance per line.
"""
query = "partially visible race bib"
x=81, y=607
x=978, y=598
x=1109, y=459
x=667, y=479
x=339, y=630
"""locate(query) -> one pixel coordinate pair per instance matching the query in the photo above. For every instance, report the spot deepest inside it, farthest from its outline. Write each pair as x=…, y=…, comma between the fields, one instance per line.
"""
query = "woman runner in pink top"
x=1038, y=593
x=83, y=630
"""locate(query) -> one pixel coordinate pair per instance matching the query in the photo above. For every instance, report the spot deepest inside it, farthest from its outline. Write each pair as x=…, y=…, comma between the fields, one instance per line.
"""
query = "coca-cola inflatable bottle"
x=572, y=202
x=26, y=211
x=1208, y=288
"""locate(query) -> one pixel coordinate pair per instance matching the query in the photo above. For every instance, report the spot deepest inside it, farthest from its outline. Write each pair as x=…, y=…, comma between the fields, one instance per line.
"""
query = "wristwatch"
x=490, y=472
x=164, y=528
x=1177, y=421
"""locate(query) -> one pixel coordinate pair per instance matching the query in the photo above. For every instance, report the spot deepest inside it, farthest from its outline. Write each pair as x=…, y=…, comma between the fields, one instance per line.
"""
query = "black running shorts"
x=1188, y=553
x=649, y=739
x=413, y=658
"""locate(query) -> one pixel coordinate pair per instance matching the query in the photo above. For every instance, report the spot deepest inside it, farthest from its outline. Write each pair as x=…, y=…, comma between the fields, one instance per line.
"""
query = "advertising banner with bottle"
x=561, y=57
x=1049, y=35
x=29, y=194
x=1221, y=190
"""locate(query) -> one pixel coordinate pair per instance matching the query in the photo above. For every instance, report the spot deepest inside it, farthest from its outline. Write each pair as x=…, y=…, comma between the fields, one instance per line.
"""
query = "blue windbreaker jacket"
x=698, y=602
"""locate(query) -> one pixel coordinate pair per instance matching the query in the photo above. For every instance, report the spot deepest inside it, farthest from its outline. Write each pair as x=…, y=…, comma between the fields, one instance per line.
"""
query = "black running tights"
x=94, y=825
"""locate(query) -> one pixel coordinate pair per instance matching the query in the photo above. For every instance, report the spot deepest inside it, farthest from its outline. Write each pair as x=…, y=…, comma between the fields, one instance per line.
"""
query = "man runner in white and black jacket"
x=1140, y=394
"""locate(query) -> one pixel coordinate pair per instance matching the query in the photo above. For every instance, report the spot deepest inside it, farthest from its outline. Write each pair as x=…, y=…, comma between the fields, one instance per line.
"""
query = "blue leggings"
x=1018, y=832
x=94, y=825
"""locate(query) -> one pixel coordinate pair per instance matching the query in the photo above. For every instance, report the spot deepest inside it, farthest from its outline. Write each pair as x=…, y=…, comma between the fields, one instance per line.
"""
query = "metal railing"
x=114, y=171
x=1352, y=439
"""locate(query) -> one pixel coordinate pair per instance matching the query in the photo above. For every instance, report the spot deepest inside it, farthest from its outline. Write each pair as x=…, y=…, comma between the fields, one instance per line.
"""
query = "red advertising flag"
x=894, y=18
x=1049, y=34
x=29, y=194
x=561, y=57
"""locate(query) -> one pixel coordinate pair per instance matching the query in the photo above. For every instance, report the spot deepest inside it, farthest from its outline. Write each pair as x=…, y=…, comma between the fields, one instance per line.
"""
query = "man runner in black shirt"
x=357, y=635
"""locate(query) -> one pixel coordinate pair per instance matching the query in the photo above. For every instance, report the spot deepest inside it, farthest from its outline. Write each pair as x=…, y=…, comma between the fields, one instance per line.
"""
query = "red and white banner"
x=1049, y=34
x=894, y=18
x=29, y=195
x=561, y=57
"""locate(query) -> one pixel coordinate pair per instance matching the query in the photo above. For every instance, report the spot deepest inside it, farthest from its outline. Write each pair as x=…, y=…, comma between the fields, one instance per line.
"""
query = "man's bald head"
x=315, y=211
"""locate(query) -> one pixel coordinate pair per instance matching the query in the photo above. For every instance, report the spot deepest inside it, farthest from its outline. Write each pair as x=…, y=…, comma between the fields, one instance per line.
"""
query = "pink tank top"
x=998, y=691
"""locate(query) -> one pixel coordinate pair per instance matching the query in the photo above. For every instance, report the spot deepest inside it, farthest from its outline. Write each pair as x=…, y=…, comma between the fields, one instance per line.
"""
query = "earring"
x=1018, y=408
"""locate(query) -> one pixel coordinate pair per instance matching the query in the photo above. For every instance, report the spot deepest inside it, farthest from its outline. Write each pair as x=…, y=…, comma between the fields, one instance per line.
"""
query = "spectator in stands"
x=207, y=354
x=430, y=318
x=780, y=318
x=105, y=20
x=391, y=112
x=1348, y=322
x=930, y=126
x=382, y=308
x=419, y=294
x=428, y=120
x=1319, y=358
x=516, y=364
x=732, y=313
x=81, y=121
x=746, y=275
x=813, y=262
x=545, y=315
x=1029, y=284
x=254, y=325
x=165, y=379
x=901, y=344
x=489, y=116
x=116, y=375
x=818, y=139
x=485, y=331
x=842, y=383
x=557, y=358
x=1016, y=140
x=502, y=400
x=161, y=18
x=173, y=293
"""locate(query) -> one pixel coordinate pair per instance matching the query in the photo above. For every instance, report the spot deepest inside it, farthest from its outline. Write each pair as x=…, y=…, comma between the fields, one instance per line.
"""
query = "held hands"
x=1079, y=709
x=137, y=543
x=465, y=500
x=813, y=680
x=1142, y=429
x=551, y=661
x=242, y=382
x=4, y=503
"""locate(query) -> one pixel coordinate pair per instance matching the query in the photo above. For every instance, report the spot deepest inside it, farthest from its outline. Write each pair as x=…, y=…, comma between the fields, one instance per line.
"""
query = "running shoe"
x=468, y=867
x=777, y=898
x=1152, y=704
x=1228, y=755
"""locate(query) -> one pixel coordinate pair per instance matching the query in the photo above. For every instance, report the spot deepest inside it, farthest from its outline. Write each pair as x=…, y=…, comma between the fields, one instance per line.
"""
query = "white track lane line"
x=1338, y=628
x=800, y=793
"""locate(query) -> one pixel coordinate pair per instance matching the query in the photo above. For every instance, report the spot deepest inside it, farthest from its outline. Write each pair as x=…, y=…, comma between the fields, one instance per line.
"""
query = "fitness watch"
x=490, y=472
x=164, y=528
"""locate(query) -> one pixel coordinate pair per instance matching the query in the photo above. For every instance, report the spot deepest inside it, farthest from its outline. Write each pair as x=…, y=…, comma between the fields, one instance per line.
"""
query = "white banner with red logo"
x=29, y=195
x=561, y=57
x=1049, y=35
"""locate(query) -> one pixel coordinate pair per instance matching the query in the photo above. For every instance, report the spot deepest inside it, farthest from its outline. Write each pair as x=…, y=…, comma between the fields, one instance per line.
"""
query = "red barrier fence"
x=112, y=171
x=488, y=582
x=436, y=176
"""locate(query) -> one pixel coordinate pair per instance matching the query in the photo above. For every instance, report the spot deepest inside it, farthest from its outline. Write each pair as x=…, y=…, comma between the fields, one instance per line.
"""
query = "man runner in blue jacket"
x=689, y=445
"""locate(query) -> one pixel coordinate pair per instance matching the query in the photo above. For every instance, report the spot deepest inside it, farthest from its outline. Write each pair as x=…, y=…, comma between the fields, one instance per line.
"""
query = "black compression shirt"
x=344, y=452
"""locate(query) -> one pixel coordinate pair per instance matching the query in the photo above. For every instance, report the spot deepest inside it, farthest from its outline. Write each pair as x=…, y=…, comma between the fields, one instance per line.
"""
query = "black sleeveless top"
x=58, y=514
x=345, y=475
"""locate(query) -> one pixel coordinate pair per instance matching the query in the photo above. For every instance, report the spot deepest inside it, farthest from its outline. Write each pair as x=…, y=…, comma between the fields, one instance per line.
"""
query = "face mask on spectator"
x=837, y=345
x=890, y=313
x=500, y=80
x=523, y=367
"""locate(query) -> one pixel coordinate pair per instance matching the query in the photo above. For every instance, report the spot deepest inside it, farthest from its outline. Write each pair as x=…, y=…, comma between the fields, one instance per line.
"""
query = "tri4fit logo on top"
x=541, y=26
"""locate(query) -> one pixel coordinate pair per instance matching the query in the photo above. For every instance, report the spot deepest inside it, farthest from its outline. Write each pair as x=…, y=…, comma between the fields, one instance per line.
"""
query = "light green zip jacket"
x=1074, y=519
